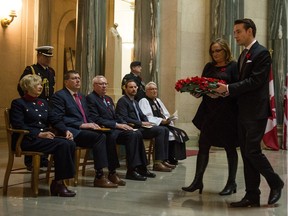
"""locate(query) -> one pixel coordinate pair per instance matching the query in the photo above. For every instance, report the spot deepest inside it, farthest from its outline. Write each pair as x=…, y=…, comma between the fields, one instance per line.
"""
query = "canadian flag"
x=285, y=132
x=270, y=138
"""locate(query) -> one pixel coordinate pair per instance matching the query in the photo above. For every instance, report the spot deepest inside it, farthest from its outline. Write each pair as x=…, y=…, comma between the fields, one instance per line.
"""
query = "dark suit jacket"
x=64, y=113
x=126, y=111
x=253, y=88
x=138, y=80
x=100, y=113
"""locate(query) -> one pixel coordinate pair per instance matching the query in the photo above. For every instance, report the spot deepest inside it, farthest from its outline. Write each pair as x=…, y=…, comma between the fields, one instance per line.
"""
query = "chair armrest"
x=21, y=133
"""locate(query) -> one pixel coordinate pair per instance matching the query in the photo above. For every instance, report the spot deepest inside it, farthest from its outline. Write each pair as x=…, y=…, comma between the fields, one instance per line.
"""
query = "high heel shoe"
x=229, y=189
x=195, y=185
x=202, y=161
x=60, y=189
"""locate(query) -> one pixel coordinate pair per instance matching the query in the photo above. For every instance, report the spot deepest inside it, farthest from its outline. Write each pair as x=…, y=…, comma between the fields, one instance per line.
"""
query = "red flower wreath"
x=199, y=85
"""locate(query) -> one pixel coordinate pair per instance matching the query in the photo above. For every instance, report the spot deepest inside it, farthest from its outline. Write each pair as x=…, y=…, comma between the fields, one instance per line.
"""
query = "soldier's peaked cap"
x=45, y=50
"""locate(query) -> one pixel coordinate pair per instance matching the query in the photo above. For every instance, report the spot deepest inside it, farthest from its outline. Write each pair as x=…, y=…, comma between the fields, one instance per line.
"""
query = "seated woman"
x=31, y=113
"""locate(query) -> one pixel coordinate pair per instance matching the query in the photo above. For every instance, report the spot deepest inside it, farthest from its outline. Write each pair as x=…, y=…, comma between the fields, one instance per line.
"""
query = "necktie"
x=104, y=101
x=137, y=112
x=77, y=100
x=242, y=57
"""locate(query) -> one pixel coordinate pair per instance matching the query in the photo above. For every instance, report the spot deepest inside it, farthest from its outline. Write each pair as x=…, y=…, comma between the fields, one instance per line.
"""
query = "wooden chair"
x=149, y=148
x=36, y=157
x=85, y=161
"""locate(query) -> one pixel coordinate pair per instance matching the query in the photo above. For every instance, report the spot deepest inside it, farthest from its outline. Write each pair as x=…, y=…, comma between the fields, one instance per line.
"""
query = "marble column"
x=277, y=43
x=146, y=36
x=44, y=23
x=223, y=14
x=90, y=41
x=114, y=63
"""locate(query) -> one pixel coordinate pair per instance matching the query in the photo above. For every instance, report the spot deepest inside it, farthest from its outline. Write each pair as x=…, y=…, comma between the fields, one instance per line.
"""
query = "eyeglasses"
x=153, y=89
x=102, y=84
x=216, y=51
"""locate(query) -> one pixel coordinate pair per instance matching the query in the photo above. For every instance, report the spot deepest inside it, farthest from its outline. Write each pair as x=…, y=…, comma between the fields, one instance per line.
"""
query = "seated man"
x=102, y=112
x=134, y=75
x=157, y=113
x=69, y=111
x=128, y=109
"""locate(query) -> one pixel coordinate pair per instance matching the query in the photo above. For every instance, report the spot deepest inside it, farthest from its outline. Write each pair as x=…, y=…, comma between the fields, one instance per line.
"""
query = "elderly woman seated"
x=31, y=113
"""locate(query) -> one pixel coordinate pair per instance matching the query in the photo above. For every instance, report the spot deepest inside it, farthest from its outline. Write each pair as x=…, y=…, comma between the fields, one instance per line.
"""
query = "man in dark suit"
x=252, y=92
x=134, y=75
x=128, y=109
x=102, y=112
x=69, y=111
x=43, y=69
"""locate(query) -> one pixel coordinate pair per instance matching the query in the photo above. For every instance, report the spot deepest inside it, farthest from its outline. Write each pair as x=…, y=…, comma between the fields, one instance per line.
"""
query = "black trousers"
x=43, y=161
x=63, y=152
x=161, y=135
x=134, y=146
x=255, y=162
x=96, y=141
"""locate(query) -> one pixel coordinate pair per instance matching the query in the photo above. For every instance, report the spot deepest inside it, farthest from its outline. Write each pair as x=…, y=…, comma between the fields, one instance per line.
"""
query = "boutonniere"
x=223, y=69
x=40, y=103
x=248, y=55
x=108, y=101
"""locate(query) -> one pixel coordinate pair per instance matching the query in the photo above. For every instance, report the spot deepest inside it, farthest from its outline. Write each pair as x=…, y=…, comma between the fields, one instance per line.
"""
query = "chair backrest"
x=10, y=131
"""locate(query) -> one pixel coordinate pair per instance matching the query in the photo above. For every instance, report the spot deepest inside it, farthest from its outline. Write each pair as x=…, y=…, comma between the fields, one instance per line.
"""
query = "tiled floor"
x=160, y=196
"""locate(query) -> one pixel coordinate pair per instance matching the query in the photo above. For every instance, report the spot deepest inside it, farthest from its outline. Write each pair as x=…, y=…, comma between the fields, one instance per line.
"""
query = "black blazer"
x=253, y=88
x=29, y=115
x=100, y=113
x=126, y=111
x=64, y=113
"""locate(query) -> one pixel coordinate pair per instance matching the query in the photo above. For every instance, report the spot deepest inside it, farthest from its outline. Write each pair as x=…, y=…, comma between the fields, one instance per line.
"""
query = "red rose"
x=40, y=103
x=248, y=55
x=107, y=101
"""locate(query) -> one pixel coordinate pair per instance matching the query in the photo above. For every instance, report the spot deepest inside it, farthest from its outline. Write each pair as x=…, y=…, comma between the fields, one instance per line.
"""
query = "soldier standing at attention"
x=42, y=69
x=134, y=75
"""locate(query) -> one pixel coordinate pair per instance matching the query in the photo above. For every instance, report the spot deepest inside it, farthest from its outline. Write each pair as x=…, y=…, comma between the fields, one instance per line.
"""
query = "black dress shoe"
x=245, y=203
x=275, y=194
x=134, y=175
x=60, y=189
x=145, y=172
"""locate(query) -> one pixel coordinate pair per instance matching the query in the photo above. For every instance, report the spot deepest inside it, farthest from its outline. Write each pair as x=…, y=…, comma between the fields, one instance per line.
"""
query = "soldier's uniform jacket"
x=48, y=79
x=138, y=80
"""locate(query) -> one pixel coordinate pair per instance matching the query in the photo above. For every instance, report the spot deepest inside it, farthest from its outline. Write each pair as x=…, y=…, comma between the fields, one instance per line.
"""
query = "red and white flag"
x=285, y=122
x=270, y=138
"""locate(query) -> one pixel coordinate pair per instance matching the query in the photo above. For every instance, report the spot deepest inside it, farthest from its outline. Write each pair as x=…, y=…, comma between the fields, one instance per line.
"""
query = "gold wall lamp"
x=5, y=21
x=9, y=9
